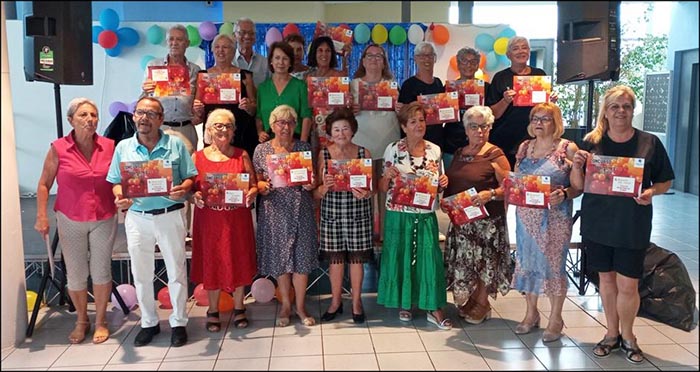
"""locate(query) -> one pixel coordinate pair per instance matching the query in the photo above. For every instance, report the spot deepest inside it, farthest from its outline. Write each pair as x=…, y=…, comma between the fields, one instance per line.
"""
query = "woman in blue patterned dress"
x=543, y=235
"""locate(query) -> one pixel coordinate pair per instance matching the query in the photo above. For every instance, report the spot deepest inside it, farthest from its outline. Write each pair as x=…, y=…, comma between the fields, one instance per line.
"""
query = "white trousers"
x=168, y=230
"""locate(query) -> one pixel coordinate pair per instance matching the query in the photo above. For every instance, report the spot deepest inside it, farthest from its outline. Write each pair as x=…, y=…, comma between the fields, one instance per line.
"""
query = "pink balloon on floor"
x=128, y=295
x=201, y=295
x=263, y=290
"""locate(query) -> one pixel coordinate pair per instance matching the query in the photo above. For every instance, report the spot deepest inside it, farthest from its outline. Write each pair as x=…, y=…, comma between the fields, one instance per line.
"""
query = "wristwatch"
x=493, y=194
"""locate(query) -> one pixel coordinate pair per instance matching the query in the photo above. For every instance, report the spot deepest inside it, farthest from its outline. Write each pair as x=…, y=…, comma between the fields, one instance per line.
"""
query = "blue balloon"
x=362, y=33
x=491, y=61
x=503, y=59
x=128, y=36
x=109, y=19
x=114, y=51
x=96, y=33
x=484, y=42
x=155, y=34
x=145, y=59
x=507, y=33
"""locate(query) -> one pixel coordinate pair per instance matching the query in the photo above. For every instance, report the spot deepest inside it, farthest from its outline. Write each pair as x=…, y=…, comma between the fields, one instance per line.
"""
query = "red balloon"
x=164, y=298
x=201, y=295
x=290, y=29
x=107, y=39
x=225, y=302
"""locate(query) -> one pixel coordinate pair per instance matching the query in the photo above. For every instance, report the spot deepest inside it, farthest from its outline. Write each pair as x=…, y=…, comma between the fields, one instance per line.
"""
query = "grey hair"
x=242, y=20
x=181, y=28
x=210, y=121
x=483, y=111
x=283, y=112
x=75, y=103
x=223, y=36
x=423, y=45
x=517, y=39
x=464, y=52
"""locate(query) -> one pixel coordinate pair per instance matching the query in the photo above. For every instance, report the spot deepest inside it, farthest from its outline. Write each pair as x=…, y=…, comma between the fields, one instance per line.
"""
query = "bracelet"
x=493, y=194
x=566, y=194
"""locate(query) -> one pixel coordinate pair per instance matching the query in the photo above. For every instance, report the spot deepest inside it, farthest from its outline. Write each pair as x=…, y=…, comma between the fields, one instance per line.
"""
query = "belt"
x=177, y=123
x=171, y=208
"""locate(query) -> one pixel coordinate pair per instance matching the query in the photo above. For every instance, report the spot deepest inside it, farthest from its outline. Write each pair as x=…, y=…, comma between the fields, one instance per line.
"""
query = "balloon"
x=193, y=35
x=491, y=61
x=482, y=60
x=226, y=29
x=225, y=302
x=263, y=290
x=397, y=35
x=113, y=52
x=507, y=33
x=485, y=77
x=128, y=36
x=273, y=35
x=107, y=39
x=96, y=30
x=207, y=30
x=278, y=294
x=290, y=29
x=504, y=60
x=479, y=75
x=453, y=63
x=379, y=34
x=128, y=295
x=362, y=33
x=155, y=34
x=415, y=34
x=201, y=295
x=145, y=59
x=164, y=298
x=484, y=42
x=109, y=19
x=117, y=106
x=500, y=45
x=31, y=300
x=132, y=106
x=441, y=35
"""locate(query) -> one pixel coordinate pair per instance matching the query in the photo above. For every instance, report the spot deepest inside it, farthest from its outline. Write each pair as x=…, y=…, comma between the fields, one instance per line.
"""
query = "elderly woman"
x=85, y=213
x=412, y=269
x=616, y=230
x=282, y=89
x=477, y=254
x=510, y=127
x=346, y=217
x=286, y=233
x=297, y=43
x=223, y=239
x=245, y=137
x=540, y=267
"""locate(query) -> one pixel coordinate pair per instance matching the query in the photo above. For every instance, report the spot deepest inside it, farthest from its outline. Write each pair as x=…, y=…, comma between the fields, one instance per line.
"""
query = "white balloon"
x=415, y=34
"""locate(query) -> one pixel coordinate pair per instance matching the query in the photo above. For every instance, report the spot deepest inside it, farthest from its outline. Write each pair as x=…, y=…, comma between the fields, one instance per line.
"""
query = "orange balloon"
x=482, y=60
x=441, y=35
x=225, y=302
x=278, y=294
x=453, y=63
x=485, y=78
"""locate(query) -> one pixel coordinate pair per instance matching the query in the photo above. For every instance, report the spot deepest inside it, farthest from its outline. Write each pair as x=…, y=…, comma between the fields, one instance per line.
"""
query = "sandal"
x=78, y=335
x=633, y=353
x=308, y=321
x=445, y=324
x=405, y=316
x=215, y=324
x=606, y=346
x=240, y=322
x=101, y=333
x=478, y=313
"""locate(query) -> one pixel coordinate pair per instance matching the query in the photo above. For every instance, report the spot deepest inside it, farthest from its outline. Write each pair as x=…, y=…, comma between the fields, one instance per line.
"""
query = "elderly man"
x=245, y=57
x=178, y=109
x=156, y=219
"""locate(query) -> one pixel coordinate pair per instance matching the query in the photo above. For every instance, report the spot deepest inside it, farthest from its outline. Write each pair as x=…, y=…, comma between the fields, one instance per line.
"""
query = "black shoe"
x=358, y=318
x=145, y=335
x=328, y=316
x=179, y=337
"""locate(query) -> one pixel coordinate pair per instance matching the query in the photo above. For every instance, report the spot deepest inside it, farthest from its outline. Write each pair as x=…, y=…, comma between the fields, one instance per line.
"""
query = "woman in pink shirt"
x=85, y=213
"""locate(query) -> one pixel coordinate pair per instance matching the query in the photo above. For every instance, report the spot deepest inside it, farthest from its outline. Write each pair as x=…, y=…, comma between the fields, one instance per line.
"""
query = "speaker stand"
x=589, y=108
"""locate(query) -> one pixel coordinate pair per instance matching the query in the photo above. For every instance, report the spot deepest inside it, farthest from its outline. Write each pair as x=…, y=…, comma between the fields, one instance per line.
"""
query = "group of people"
x=298, y=225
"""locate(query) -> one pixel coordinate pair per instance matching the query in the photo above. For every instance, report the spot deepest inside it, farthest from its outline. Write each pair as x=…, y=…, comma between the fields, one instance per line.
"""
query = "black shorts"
x=603, y=258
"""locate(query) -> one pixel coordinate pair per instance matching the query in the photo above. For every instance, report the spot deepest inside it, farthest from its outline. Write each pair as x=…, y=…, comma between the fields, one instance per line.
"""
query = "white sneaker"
x=442, y=237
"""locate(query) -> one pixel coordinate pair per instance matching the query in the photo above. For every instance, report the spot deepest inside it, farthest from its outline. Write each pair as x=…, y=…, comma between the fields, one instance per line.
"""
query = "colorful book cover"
x=218, y=88
x=415, y=191
x=329, y=92
x=225, y=189
x=460, y=208
x=171, y=80
x=527, y=190
x=320, y=114
x=440, y=107
x=292, y=169
x=614, y=175
x=531, y=90
x=350, y=173
x=340, y=35
x=381, y=96
x=146, y=178
x=471, y=91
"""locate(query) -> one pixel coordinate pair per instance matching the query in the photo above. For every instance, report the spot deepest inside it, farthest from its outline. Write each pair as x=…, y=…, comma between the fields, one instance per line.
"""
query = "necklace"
x=411, y=158
x=532, y=151
x=468, y=157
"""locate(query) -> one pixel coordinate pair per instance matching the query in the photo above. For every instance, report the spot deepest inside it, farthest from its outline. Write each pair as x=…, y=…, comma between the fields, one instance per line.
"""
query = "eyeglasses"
x=246, y=33
x=374, y=56
x=483, y=127
x=625, y=107
x=469, y=62
x=424, y=56
x=146, y=113
x=222, y=126
x=541, y=119
x=283, y=123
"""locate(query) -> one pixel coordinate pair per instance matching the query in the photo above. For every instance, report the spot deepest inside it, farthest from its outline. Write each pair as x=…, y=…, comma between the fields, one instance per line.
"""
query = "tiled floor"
x=383, y=342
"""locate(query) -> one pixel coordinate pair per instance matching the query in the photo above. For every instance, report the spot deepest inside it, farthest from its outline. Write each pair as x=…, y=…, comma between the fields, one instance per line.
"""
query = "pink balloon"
x=263, y=290
x=128, y=295
x=164, y=298
x=201, y=295
x=207, y=31
x=273, y=34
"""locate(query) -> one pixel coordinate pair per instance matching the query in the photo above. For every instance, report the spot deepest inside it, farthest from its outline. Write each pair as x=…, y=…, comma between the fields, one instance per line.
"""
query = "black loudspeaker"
x=588, y=41
x=58, y=42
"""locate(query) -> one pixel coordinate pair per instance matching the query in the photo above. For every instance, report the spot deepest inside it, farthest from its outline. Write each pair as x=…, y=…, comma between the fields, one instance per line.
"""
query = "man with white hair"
x=245, y=57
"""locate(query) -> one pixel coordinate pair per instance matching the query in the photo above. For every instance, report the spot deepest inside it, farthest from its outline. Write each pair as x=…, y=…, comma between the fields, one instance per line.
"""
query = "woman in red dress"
x=223, y=239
